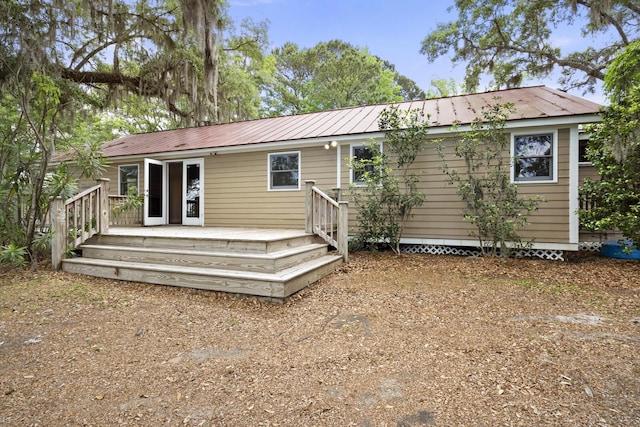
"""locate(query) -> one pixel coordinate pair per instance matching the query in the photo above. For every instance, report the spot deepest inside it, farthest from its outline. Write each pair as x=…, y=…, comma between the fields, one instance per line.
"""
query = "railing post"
x=308, y=212
x=59, y=226
x=103, y=209
x=337, y=194
x=343, y=230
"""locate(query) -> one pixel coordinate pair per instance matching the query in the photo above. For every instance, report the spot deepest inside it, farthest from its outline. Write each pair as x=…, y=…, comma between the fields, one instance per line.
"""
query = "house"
x=252, y=174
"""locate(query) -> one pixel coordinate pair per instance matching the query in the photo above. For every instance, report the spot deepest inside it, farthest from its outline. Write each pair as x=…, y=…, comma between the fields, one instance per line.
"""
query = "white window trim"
x=554, y=166
x=586, y=162
x=352, y=148
x=574, y=180
x=119, y=179
x=269, y=186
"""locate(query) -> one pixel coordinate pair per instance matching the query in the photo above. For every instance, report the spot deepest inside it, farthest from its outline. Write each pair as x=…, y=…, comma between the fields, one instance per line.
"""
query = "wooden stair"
x=273, y=265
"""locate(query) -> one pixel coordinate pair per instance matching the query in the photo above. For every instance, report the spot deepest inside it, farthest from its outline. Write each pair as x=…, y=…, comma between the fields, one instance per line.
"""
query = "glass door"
x=154, y=192
x=193, y=192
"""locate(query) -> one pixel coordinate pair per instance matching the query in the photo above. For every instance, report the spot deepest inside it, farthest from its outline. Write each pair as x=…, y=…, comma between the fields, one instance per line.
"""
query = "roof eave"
x=263, y=146
x=436, y=131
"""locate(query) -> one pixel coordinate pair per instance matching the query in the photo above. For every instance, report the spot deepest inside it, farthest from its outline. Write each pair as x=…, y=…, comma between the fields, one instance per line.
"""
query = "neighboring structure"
x=252, y=173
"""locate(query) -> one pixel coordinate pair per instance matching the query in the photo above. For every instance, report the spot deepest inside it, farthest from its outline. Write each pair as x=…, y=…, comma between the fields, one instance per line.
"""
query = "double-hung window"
x=534, y=157
x=361, y=153
x=128, y=180
x=284, y=171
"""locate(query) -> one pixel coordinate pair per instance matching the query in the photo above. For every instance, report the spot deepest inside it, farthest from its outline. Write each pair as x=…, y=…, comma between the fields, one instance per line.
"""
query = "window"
x=361, y=152
x=284, y=171
x=582, y=151
x=128, y=180
x=534, y=157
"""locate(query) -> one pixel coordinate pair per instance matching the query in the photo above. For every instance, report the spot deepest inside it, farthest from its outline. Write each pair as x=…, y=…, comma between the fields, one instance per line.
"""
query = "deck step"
x=270, y=262
x=235, y=244
x=274, y=285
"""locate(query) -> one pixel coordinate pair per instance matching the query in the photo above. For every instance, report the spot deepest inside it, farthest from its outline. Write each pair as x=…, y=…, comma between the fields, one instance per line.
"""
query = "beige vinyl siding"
x=438, y=217
x=84, y=183
x=550, y=224
x=345, y=181
x=111, y=172
x=441, y=215
x=588, y=171
x=237, y=194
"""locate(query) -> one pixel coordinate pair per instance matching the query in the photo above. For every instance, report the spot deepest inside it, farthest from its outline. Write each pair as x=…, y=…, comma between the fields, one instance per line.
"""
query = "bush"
x=13, y=255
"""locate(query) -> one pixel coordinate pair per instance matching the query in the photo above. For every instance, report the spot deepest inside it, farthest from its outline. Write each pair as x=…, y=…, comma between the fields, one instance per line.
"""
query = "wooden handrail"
x=327, y=218
x=77, y=219
x=82, y=194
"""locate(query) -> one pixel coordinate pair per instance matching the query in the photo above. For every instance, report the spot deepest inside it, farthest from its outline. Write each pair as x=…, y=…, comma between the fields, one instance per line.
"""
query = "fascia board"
x=435, y=131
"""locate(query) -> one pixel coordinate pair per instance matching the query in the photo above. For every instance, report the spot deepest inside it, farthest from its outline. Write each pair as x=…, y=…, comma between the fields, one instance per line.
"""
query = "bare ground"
x=386, y=341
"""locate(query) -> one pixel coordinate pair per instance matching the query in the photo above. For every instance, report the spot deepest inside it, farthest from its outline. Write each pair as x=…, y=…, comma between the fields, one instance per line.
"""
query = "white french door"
x=155, y=191
x=193, y=192
x=167, y=190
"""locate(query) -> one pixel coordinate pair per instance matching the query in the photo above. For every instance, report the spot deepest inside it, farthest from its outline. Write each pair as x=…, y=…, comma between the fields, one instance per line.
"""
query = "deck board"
x=272, y=263
x=231, y=233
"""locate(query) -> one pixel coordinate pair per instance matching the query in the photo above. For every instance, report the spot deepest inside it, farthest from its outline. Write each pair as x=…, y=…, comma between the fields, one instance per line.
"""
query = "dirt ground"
x=414, y=340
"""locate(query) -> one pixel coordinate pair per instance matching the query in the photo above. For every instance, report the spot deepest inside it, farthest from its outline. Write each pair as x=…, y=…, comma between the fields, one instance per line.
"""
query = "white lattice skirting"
x=438, y=250
x=590, y=246
x=548, y=254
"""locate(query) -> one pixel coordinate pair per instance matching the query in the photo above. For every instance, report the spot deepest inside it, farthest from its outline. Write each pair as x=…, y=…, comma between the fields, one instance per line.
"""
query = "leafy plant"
x=42, y=241
x=390, y=191
x=131, y=202
x=492, y=202
x=614, y=150
x=14, y=255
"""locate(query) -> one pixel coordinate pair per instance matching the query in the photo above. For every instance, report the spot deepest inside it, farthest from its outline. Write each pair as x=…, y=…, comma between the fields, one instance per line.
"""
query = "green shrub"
x=14, y=255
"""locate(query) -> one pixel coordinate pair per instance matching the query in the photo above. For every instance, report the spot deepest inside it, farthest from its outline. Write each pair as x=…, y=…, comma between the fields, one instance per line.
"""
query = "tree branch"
x=609, y=19
x=105, y=77
x=246, y=42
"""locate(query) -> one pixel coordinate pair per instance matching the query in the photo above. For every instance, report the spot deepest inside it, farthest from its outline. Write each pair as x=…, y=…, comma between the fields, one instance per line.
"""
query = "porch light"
x=333, y=144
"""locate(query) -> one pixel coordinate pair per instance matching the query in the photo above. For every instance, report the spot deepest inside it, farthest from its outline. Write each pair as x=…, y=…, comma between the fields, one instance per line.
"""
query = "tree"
x=332, y=75
x=345, y=76
x=511, y=39
x=614, y=150
x=28, y=137
x=386, y=201
x=491, y=201
x=409, y=90
x=71, y=72
x=244, y=71
x=441, y=88
x=168, y=49
x=294, y=69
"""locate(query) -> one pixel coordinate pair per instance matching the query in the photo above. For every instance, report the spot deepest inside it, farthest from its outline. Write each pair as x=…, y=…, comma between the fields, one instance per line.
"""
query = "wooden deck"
x=230, y=233
x=263, y=262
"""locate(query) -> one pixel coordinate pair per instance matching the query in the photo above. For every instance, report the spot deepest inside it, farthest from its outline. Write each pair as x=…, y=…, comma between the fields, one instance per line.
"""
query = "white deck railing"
x=77, y=219
x=327, y=218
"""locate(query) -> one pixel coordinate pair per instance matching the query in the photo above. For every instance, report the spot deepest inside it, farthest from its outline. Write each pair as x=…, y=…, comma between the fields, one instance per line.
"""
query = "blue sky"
x=391, y=30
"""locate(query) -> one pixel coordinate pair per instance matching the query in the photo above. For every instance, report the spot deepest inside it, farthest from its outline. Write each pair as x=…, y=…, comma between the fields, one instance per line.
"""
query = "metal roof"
x=535, y=102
